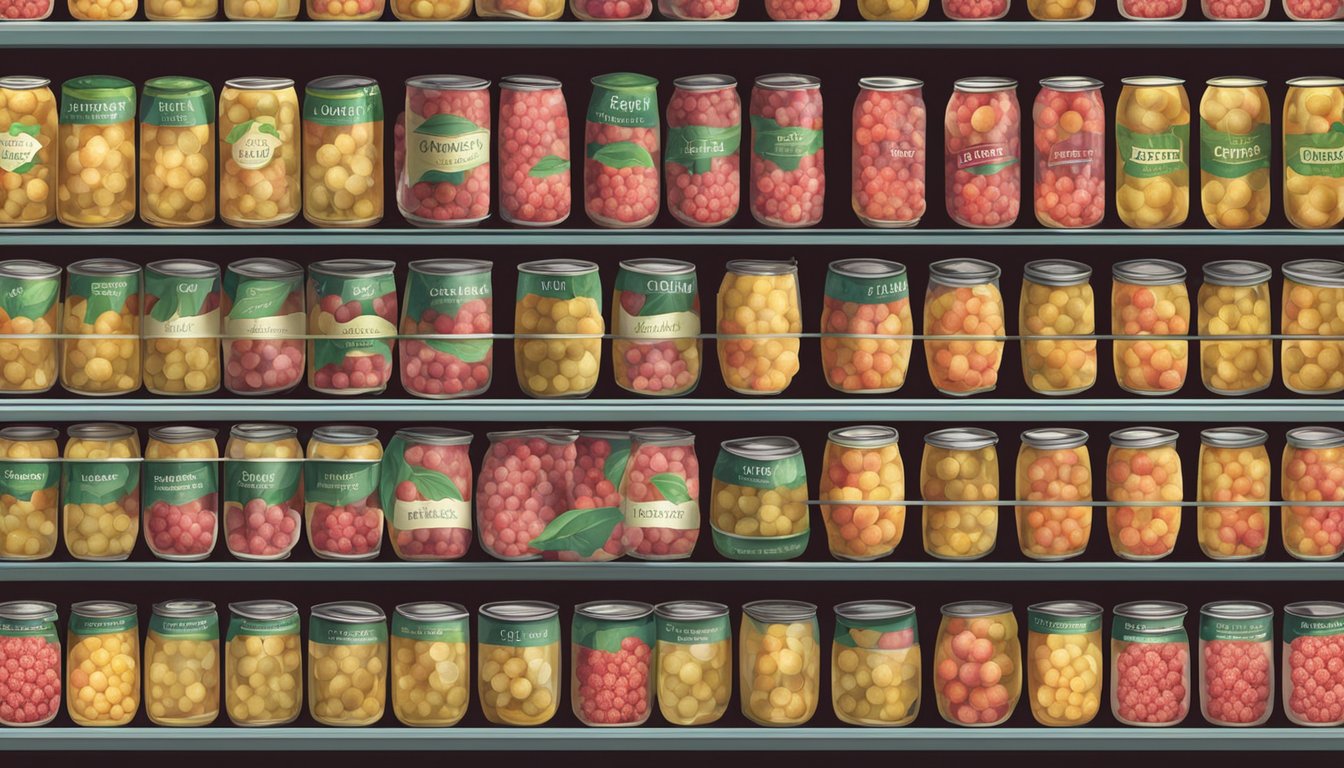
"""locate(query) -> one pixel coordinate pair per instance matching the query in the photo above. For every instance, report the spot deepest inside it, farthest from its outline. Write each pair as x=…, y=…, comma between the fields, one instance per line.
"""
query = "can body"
x=28, y=136
x=612, y=665
x=263, y=491
x=558, y=327
x=875, y=664
x=779, y=664
x=264, y=325
x=1312, y=294
x=758, y=345
x=703, y=153
x=259, y=150
x=963, y=299
x=863, y=464
x=347, y=664
x=98, y=152
x=1057, y=300
x=1150, y=664
x=1065, y=671
x=182, y=663
x=1152, y=153
x=446, y=299
x=263, y=665
x=1234, y=301
x=1313, y=455
x=431, y=664
x=534, y=164
x=100, y=491
x=760, y=500
x=518, y=680
x=695, y=661
x=30, y=303
x=788, y=157
x=180, y=487
x=889, y=151
x=177, y=147
x=30, y=642
x=1233, y=466
x=960, y=465
x=1069, y=130
x=1053, y=466
x=180, y=324
x=446, y=178
x=343, y=152
x=660, y=495
x=620, y=169
x=1236, y=648
x=342, y=509
x=656, y=320
x=1149, y=299
x=30, y=477
x=1310, y=633
x=103, y=651
x=353, y=315
x=525, y=469
x=102, y=299
x=982, y=145
x=980, y=638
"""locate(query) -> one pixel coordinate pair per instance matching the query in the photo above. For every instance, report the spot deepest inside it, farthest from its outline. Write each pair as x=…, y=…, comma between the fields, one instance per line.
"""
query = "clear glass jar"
x=612, y=659
x=695, y=661
x=352, y=310
x=263, y=666
x=982, y=148
x=100, y=491
x=444, y=299
x=1057, y=300
x=704, y=150
x=97, y=164
x=177, y=147
x=28, y=131
x=963, y=299
x=779, y=666
x=1143, y=465
x=758, y=341
x=446, y=183
x=888, y=152
x=30, y=304
x=698, y=10
x=1312, y=635
x=30, y=472
x=1313, y=305
x=347, y=663
x=1065, y=670
x=534, y=165
x=518, y=648
x=529, y=10
x=1313, y=137
x=620, y=172
x=1152, y=153
x=30, y=644
x=558, y=327
x=592, y=497
x=893, y=10
x=875, y=663
x=102, y=299
x=1151, y=10
x=431, y=10
x=1234, y=10
x=343, y=151
x=1149, y=298
x=181, y=10
x=655, y=308
x=263, y=491
x=426, y=488
x=180, y=325
x=865, y=311
x=102, y=10
x=1053, y=466
x=1313, y=10
x=760, y=499
x=1061, y=10
x=1150, y=664
x=1234, y=301
x=1234, y=147
x=660, y=495
x=975, y=10
x=977, y=664
x=808, y=10
x=431, y=663
x=960, y=464
x=1069, y=131
x=261, y=10
x=1313, y=467
x=863, y=464
x=345, y=10
x=524, y=469
x=182, y=663
x=102, y=664
x=340, y=489
x=32, y=11
x=180, y=491
x=1236, y=650
x=259, y=152
x=605, y=10
x=264, y=325
x=788, y=159
x=1233, y=466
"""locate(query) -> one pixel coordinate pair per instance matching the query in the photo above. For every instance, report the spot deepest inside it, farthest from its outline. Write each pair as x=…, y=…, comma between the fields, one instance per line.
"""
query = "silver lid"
x=1317, y=81
x=558, y=267
x=1298, y=437
x=1233, y=437
x=263, y=268
x=984, y=84
x=771, y=448
x=27, y=269
x=1151, y=609
x=614, y=610
x=552, y=435
x=873, y=610
x=975, y=609
x=263, y=610
x=657, y=266
x=524, y=610
x=761, y=267
x=184, y=609
x=867, y=268
x=28, y=610
x=345, y=435
x=963, y=272
x=263, y=433
x=780, y=611
x=338, y=83
x=177, y=435
x=661, y=436
x=961, y=439
x=103, y=268
x=889, y=84
x=352, y=267
x=1068, y=609
x=447, y=83
x=183, y=268
x=1236, y=272
x=1143, y=437
x=430, y=611
x=23, y=82
x=434, y=436
x=349, y=612
x=100, y=431
x=1236, y=609
x=1057, y=272
x=1315, y=609
x=690, y=610
x=27, y=434
x=603, y=434
x=259, y=83
x=1152, y=81
x=1235, y=81
x=785, y=81
x=864, y=436
x=450, y=266
x=102, y=609
x=705, y=82
x=1323, y=273
x=1148, y=272
x=1071, y=83
x=528, y=83
x=1054, y=438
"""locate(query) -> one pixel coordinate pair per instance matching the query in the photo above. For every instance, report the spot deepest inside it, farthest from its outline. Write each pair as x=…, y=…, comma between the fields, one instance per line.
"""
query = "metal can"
x=28, y=138
x=703, y=153
x=1233, y=466
x=1053, y=466
x=612, y=665
x=862, y=467
x=558, y=328
x=101, y=352
x=518, y=647
x=263, y=663
x=30, y=300
x=1234, y=147
x=888, y=154
x=343, y=152
x=1057, y=300
x=982, y=169
x=353, y=313
x=963, y=299
x=347, y=663
x=1150, y=664
x=426, y=493
x=534, y=165
x=1069, y=130
x=431, y=664
x=264, y=325
x=620, y=171
x=760, y=499
x=102, y=645
x=180, y=325
x=656, y=349
x=695, y=643
x=1236, y=648
x=259, y=152
x=341, y=477
x=752, y=338
x=29, y=641
x=1065, y=667
x=1152, y=153
x=960, y=464
x=1149, y=298
x=1311, y=457
x=788, y=157
x=98, y=152
x=1234, y=301
x=660, y=495
x=444, y=299
x=779, y=664
x=875, y=663
x=177, y=151
x=969, y=632
x=446, y=179
x=180, y=491
x=1313, y=300
x=181, y=664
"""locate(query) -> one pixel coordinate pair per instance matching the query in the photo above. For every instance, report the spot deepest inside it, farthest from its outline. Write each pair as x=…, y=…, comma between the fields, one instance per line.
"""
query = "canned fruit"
x=446, y=180
x=694, y=656
x=1313, y=474
x=29, y=10
x=535, y=10
x=353, y=313
x=982, y=143
x=1152, y=10
x=1234, y=10
x=802, y=10
x=1144, y=366
x=181, y=492
x=759, y=325
x=426, y=492
x=29, y=304
x=780, y=668
x=180, y=10
x=1313, y=670
x=1057, y=475
x=1238, y=681
x=857, y=471
x=611, y=10
x=30, y=686
x=613, y=663
x=347, y=683
x=760, y=499
x=1234, y=140
x=181, y=324
x=1065, y=668
x=1313, y=183
x=1226, y=475
x=656, y=307
x=523, y=487
x=977, y=668
x=788, y=159
x=1152, y=683
x=889, y=151
x=591, y=528
x=558, y=325
x=340, y=489
x=177, y=138
x=1152, y=136
x=518, y=680
x=534, y=175
x=264, y=322
x=955, y=531
x=620, y=170
x=29, y=487
x=446, y=299
x=1135, y=474
x=260, y=152
x=875, y=664
x=345, y=10
x=100, y=491
x=29, y=115
x=102, y=10
x=1058, y=366
x=1312, y=10
x=181, y=684
x=343, y=152
x=1236, y=366
x=263, y=497
x=893, y=10
x=855, y=363
x=1069, y=131
x=969, y=366
x=704, y=121
x=661, y=496
x=104, y=677
x=698, y=10
x=263, y=678
x=1313, y=366
x=97, y=133
x=430, y=664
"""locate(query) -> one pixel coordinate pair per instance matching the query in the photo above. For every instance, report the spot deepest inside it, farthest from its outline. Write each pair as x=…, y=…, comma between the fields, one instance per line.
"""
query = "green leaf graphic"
x=614, y=468
x=333, y=352
x=666, y=304
x=582, y=531
x=673, y=487
x=467, y=350
x=33, y=301
x=434, y=486
x=262, y=298
x=549, y=165
x=989, y=169
x=445, y=125
x=456, y=178
x=268, y=128
x=694, y=147
x=785, y=147
x=238, y=132
x=164, y=308
x=621, y=154
x=16, y=129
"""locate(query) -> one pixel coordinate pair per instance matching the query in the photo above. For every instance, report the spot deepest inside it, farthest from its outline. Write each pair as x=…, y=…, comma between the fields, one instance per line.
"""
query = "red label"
x=1078, y=149
x=983, y=154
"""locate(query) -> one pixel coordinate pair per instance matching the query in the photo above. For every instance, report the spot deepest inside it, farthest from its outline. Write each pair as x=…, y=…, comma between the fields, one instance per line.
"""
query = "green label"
x=98, y=482
x=32, y=299
x=178, y=111
x=21, y=479
x=663, y=294
x=326, y=632
x=103, y=293
x=43, y=628
x=1164, y=630
x=357, y=289
x=607, y=636
x=760, y=548
x=338, y=483
x=867, y=290
x=246, y=627
x=1316, y=154
x=429, y=631
x=1233, y=155
x=1256, y=630
x=694, y=147
x=985, y=159
x=441, y=503
x=444, y=294
x=784, y=146
x=620, y=154
x=694, y=631
x=443, y=148
x=101, y=625
x=585, y=286
x=1050, y=624
x=549, y=165
x=581, y=531
x=1149, y=155
x=179, y=304
x=256, y=307
x=626, y=100
x=274, y=482
x=519, y=634
x=1311, y=626
x=362, y=105
x=185, y=627
x=179, y=482
x=869, y=634
x=19, y=147
x=333, y=352
x=76, y=110
x=769, y=474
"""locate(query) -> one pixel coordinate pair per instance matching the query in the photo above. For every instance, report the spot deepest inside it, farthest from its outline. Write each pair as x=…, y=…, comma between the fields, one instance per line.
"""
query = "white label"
x=444, y=513
x=662, y=514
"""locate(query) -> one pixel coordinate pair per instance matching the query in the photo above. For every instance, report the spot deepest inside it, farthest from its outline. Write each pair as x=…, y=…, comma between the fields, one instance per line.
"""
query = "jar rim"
x=961, y=438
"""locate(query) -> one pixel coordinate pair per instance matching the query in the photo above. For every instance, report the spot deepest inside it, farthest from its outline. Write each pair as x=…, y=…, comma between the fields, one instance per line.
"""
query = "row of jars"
x=626, y=657
x=186, y=327
x=332, y=169
x=597, y=495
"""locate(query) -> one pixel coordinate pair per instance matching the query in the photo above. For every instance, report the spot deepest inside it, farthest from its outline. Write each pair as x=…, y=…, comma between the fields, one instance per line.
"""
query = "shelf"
x=101, y=238
x=762, y=410
x=668, y=34
x=649, y=739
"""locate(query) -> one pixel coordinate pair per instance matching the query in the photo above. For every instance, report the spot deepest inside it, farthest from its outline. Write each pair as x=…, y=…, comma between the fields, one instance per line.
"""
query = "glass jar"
x=1151, y=10
x=446, y=179
x=975, y=10
x=698, y=10
x=259, y=152
x=808, y=10
x=343, y=151
x=100, y=488
x=446, y=299
x=430, y=663
x=1236, y=649
x=429, y=10
x=1313, y=10
x=181, y=492
x=1313, y=467
x=345, y=10
x=1233, y=466
x=1061, y=10
x=263, y=668
x=1312, y=635
x=352, y=312
x=875, y=663
x=30, y=471
x=760, y=499
x=605, y=10
x=590, y=529
x=530, y=10
x=557, y=348
x=103, y=664
x=890, y=124
x=102, y=10
x=102, y=299
x=1143, y=465
x=1234, y=147
x=863, y=464
x=780, y=663
x=695, y=661
x=1313, y=305
x=977, y=663
x=181, y=10
x=426, y=493
x=1150, y=664
x=1313, y=142
x=1234, y=10
x=524, y=470
x=518, y=648
x=759, y=326
x=1069, y=131
x=1057, y=300
x=963, y=299
x=263, y=493
x=28, y=129
x=31, y=11
x=30, y=304
x=703, y=153
x=982, y=148
x=182, y=663
x=893, y=10
x=656, y=317
x=960, y=464
x=261, y=10
x=660, y=495
x=180, y=325
x=611, y=682
x=620, y=172
x=1152, y=153
x=177, y=146
x=347, y=663
x=1149, y=298
x=865, y=314
x=1053, y=466
x=97, y=129
x=534, y=165
x=340, y=490
x=264, y=325
x=1066, y=669
x=788, y=159
x=1234, y=301
x=30, y=644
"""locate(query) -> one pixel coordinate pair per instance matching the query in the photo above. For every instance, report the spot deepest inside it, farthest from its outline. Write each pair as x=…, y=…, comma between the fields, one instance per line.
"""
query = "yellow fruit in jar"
x=429, y=681
x=263, y=683
x=519, y=685
x=759, y=313
x=181, y=680
x=559, y=348
x=780, y=672
x=347, y=684
x=25, y=198
x=960, y=532
x=103, y=678
x=1064, y=677
x=259, y=183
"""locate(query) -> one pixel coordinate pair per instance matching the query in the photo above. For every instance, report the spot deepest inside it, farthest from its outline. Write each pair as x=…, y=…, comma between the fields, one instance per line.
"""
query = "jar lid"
x=761, y=267
x=28, y=610
x=553, y=436
x=266, y=268
x=658, y=266
x=1068, y=609
x=434, y=436
x=873, y=610
x=259, y=83
x=263, y=610
x=1310, y=609
x=864, y=436
x=690, y=610
x=975, y=609
x=349, y=612
x=263, y=433
x=102, y=609
x=771, y=448
x=963, y=272
x=430, y=611
x=1152, y=81
x=27, y=434
x=183, y=268
x=1236, y=272
x=1324, y=273
x=1148, y=272
x=1054, y=438
x=103, y=268
x=100, y=431
x=184, y=609
x=338, y=84
x=1143, y=437
x=177, y=87
x=1235, y=81
x=1233, y=437
x=23, y=82
x=705, y=82
x=558, y=267
x=961, y=438
x=889, y=84
x=352, y=267
x=1236, y=609
x=1057, y=272
x=345, y=435
x=786, y=81
x=447, y=83
x=619, y=81
x=661, y=436
x=176, y=435
x=451, y=266
x=98, y=87
x=529, y=83
x=779, y=611
x=1071, y=83
x=984, y=84
x=1298, y=437
x=1316, y=81
x=1151, y=609
x=27, y=269
x=867, y=268
x=614, y=610
x=525, y=610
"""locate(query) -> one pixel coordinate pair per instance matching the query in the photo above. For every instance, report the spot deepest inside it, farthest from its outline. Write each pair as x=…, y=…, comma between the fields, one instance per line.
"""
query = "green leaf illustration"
x=434, y=486
x=262, y=298
x=673, y=487
x=445, y=125
x=621, y=154
x=19, y=128
x=270, y=129
x=466, y=350
x=614, y=468
x=36, y=298
x=582, y=531
x=667, y=303
x=784, y=146
x=456, y=178
x=549, y=165
x=164, y=308
x=238, y=132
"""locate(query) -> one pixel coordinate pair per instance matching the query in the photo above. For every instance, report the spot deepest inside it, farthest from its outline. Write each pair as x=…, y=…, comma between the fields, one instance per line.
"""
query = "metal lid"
x=262, y=268
x=867, y=268
x=176, y=87
x=28, y=610
x=345, y=435
x=1311, y=609
x=1151, y=609
x=761, y=267
x=658, y=266
x=1143, y=437
x=961, y=438
x=102, y=609
x=259, y=83
x=963, y=272
x=183, y=268
x=1298, y=437
x=1324, y=273
x=1057, y=272
x=429, y=611
x=27, y=269
x=890, y=83
x=552, y=435
x=100, y=430
x=1054, y=438
x=984, y=84
x=184, y=609
x=603, y=434
x=690, y=610
x=1148, y=272
x=451, y=266
x=873, y=610
x=614, y=610
x=23, y=82
x=1316, y=81
x=1068, y=609
x=28, y=434
x=705, y=82
x=1152, y=81
x=771, y=448
x=785, y=81
x=524, y=610
x=263, y=433
x=1071, y=83
x=177, y=435
x=1236, y=609
x=975, y=609
x=864, y=436
x=98, y=86
x=336, y=84
x=349, y=612
x=1236, y=272
x=661, y=436
x=434, y=436
x=1235, y=81
x=529, y=83
x=1233, y=437
x=352, y=267
x=263, y=610
x=103, y=267
x=558, y=267
x=624, y=81
x=780, y=611
x=447, y=83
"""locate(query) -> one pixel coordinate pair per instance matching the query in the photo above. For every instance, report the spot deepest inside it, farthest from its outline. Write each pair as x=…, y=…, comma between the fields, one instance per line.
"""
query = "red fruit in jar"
x=181, y=530
x=703, y=160
x=445, y=298
x=788, y=161
x=975, y=10
x=1152, y=9
x=522, y=487
x=599, y=457
x=346, y=530
x=698, y=9
x=259, y=313
x=888, y=153
x=24, y=9
x=613, y=688
x=30, y=680
x=802, y=10
x=1237, y=681
x=1234, y=9
x=354, y=315
x=1313, y=10
x=983, y=145
x=534, y=175
x=620, y=172
x=1316, y=679
x=443, y=453
x=261, y=530
x=590, y=10
x=659, y=538
x=1069, y=133
x=446, y=183
x=1150, y=685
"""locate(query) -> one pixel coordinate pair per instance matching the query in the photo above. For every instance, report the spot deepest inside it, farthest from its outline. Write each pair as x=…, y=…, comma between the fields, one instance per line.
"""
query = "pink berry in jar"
x=186, y=530
x=593, y=484
x=657, y=350
x=534, y=176
x=620, y=172
x=351, y=298
x=888, y=154
x=1150, y=683
x=975, y=10
x=1152, y=9
x=1237, y=673
x=1313, y=10
x=802, y=10
x=259, y=530
x=1233, y=10
x=788, y=160
x=703, y=161
x=445, y=180
x=698, y=10
x=259, y=314
x=447, y=298
x=1069, y=124
x=1313, y=660
x=30, y=663
x=340, y=485
x=983, y=145
x=611, y=10
x=24, y=10
x=661, y=495
x=611, y=683
x=426, y=485
x=522, y=487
